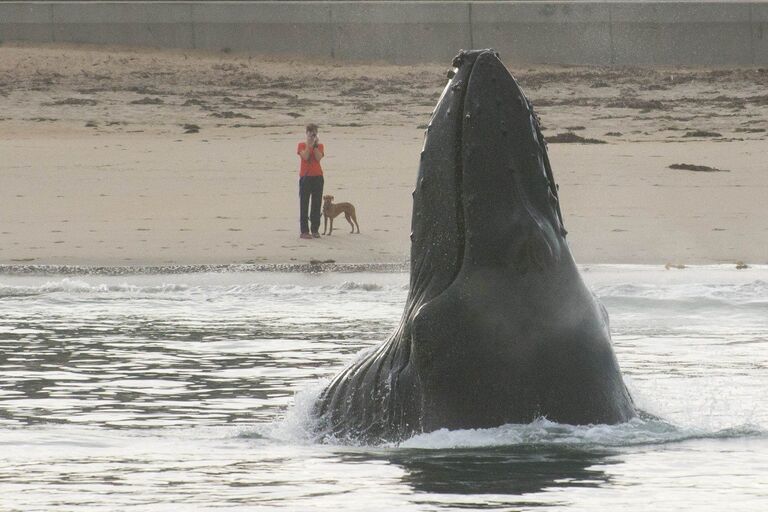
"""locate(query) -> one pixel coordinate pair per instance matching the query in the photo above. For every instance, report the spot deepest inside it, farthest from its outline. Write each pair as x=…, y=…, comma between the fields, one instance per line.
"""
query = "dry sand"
x=97, y=169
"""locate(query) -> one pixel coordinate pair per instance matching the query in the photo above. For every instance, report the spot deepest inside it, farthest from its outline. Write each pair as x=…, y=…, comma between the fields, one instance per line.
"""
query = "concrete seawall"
x=723, y=34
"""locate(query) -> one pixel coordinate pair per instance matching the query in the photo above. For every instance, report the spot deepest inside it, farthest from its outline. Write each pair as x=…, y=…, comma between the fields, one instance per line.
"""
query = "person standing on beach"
x=310, y=182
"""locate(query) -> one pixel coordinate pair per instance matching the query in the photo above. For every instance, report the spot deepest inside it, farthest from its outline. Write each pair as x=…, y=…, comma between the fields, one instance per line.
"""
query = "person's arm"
x=304, y=153
x=318, y=151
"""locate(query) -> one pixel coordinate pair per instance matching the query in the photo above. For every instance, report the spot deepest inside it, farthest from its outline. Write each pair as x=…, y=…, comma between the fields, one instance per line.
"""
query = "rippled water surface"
x=192, y=392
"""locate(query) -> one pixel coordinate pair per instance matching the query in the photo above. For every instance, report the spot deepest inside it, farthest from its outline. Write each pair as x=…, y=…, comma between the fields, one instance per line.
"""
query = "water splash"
x=299, y=426
x=542, y=432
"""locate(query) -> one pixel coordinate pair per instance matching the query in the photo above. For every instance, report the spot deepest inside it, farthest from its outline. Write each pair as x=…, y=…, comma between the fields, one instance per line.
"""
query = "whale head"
x=498, y=326
x=502, y=328
x=485, y=194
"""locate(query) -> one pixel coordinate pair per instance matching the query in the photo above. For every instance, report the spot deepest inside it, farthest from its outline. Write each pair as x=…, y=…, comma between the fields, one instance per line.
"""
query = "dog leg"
x=354, y=218
x=325, y=223
x=347, y=216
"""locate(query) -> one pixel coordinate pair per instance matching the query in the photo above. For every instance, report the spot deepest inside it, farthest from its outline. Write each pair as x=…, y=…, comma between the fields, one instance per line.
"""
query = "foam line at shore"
x=69, y=270
x=303, y=268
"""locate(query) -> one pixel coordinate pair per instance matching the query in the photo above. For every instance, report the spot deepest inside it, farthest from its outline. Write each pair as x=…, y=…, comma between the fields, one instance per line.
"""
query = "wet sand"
x=148, y=157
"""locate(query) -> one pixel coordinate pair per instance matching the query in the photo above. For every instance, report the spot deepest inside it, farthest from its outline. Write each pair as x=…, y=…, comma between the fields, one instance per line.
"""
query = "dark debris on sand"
x=148, y=101
x=83, y=102
x=702, y=133
x=570, y=137
x=697, y=168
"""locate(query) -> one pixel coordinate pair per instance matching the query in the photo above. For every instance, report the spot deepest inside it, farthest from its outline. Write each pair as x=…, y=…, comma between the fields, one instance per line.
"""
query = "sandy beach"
x=117, y=156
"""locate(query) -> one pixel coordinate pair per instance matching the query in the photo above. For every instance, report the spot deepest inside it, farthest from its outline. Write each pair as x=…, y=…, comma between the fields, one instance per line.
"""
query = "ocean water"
x=193, y=392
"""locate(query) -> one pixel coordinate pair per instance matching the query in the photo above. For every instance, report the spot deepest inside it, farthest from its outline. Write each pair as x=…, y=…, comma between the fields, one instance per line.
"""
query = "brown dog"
x=331, y=211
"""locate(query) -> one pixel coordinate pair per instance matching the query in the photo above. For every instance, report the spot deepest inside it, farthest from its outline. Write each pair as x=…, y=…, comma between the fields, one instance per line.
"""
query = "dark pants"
x=310, y=187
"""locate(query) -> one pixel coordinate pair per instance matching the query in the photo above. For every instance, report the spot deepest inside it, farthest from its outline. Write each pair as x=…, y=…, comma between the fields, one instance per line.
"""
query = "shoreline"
x=304, y=268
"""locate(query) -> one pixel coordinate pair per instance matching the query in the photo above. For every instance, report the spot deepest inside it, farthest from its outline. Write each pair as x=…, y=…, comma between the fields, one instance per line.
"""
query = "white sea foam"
x=638, y=431
x=193, y=284
x=300, y=426
x=739, y=293
x=75, y=287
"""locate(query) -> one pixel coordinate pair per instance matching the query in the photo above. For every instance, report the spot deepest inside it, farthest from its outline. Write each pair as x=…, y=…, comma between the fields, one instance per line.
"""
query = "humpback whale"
x=498, y=326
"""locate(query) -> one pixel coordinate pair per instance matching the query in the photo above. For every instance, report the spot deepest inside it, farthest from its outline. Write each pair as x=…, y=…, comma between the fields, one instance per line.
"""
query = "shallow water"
x=192, y=391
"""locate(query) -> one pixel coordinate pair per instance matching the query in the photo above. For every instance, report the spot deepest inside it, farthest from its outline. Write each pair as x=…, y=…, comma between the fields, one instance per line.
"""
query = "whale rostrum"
x=498, y=325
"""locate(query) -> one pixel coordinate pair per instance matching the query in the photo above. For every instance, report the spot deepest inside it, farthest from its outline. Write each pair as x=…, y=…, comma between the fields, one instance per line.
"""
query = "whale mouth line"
x=522, y=178
x=466, y=59
x=461, y=228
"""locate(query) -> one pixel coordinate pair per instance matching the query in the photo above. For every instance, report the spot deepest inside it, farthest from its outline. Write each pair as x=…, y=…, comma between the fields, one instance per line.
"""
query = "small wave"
x=740, y=293
x=368, y=287
x=74, y=286
x=77, y=287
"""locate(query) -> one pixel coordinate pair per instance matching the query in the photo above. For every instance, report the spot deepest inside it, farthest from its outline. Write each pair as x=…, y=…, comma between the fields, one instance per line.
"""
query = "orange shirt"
x=310, y=167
